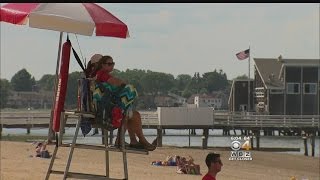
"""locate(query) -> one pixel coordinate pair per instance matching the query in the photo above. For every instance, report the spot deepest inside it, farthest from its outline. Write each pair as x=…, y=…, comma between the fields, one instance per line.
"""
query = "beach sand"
x=17, y=164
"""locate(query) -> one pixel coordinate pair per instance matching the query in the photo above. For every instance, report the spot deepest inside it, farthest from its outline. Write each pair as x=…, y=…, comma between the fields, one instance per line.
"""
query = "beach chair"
x=89, y=115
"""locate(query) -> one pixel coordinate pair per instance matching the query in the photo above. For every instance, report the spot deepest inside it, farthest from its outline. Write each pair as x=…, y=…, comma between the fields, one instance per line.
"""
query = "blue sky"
x=176, y=38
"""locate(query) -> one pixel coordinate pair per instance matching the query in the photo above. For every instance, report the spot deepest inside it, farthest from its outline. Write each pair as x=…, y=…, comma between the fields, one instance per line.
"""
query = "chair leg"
x=52, y=159
x=106, y=152
x=58, y=143
x=72, y=148
x=62, y=127
x=111, y=137
x=124, y=154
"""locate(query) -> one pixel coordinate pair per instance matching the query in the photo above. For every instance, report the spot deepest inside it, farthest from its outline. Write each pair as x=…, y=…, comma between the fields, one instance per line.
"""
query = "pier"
x=306, y=126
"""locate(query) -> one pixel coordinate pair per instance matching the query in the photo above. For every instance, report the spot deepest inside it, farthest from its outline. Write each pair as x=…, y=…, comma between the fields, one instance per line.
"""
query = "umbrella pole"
x=50, y=131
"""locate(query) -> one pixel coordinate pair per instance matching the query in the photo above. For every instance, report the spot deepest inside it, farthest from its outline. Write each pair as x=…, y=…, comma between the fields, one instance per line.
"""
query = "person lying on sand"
x=41, y=150
x=185, y=166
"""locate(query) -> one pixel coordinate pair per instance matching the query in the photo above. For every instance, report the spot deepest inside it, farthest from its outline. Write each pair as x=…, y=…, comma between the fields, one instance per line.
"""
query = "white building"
x=208, y=101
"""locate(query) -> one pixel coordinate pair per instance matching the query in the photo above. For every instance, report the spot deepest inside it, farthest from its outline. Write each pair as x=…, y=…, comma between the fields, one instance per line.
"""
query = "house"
x=23, y=99
x=287, y=86
x=179, y=100
x=215, y=100
x=280, y=87
x=164, y=101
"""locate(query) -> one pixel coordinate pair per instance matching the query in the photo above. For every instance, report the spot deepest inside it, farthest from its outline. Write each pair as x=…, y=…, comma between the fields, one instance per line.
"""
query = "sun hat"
x=95, y=58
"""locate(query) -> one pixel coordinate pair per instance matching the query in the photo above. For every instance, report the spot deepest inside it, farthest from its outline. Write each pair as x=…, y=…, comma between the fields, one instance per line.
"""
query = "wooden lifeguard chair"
x=80, y=114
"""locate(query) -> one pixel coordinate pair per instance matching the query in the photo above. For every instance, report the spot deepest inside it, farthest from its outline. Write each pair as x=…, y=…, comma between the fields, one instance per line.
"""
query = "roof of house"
x=270, y=69
x=302, y=62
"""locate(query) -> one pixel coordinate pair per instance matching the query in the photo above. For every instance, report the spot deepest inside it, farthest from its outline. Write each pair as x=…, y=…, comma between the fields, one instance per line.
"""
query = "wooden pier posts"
x=28, y=128
x=251, y=142
x=159, y=137
x=305, y=145
x=189, y=137
x=312, y=137
x=0, y=131
x=205, y=138
x=313, y=143
x=193, y=132
x=258, y=139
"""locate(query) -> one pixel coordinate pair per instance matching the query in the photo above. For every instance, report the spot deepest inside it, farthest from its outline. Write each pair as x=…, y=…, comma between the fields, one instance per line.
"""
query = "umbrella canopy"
x=78, y=18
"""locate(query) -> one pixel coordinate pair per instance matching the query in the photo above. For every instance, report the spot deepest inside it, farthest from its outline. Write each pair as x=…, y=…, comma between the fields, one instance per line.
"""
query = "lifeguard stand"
x=80, y=115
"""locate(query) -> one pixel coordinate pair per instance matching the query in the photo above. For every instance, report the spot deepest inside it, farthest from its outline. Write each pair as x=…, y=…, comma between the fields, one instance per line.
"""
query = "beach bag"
x=85, y=124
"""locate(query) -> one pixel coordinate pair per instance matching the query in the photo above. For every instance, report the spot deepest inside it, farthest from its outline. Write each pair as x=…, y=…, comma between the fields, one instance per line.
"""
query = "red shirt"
x=208, y=177
x=103, y=76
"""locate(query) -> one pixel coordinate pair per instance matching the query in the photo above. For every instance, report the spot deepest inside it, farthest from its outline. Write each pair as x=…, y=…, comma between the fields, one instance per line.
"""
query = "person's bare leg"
x=132, y=136
x=131, y=133
x=135, y=126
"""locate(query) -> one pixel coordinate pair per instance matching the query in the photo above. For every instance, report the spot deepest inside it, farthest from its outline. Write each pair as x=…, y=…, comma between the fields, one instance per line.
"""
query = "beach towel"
x=109, y=98
x=123, y=96
x=170, y=161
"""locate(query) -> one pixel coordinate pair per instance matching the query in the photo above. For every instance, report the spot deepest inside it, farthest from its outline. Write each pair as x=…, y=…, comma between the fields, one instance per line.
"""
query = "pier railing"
x=150, y=119
x=266, y=121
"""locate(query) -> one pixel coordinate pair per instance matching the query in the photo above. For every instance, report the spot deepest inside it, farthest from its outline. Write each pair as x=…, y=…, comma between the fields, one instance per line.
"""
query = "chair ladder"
x=73, y=145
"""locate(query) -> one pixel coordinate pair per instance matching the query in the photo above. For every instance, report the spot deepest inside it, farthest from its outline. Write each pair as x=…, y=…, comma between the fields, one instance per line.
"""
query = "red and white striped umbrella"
x=78, y=18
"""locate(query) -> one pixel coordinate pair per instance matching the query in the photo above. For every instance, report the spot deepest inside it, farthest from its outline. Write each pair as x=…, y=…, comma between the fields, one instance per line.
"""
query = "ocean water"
x=180, y=138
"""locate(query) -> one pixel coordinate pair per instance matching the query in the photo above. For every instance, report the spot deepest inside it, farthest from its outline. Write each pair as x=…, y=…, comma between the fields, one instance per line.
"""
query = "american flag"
x=243, y=54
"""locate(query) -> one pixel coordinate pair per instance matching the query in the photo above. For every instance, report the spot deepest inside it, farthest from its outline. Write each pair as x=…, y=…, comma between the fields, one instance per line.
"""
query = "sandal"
x=119, y=145
x=137, y=146
x=148, y=146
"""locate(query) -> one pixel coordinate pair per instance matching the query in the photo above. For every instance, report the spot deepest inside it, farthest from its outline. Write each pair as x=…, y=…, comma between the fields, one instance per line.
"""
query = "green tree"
x=72, y=89
x=244, y=76
x=22, y=81
x=4, y=92
x=194, y=86
x=47, y=82
x=134, y=77
x=157, y=82
x=182, y=81
x=187, y=93
x=215, y=81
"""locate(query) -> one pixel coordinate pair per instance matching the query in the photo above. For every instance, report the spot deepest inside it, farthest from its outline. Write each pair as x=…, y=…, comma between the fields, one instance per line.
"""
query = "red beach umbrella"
x=78, y=18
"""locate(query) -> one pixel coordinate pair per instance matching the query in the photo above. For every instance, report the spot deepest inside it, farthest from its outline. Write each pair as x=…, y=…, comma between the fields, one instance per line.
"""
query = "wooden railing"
x=265, y=121
x=150, y=118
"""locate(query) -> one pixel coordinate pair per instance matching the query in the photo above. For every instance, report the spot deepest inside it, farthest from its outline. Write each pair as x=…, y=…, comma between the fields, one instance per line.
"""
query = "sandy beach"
x=16, y=163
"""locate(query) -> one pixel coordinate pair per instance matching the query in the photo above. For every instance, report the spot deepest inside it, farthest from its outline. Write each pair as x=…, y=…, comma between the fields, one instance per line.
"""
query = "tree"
x=182, y=81
x=215, y=81
x=157, y=82
x=72, y=89
x=134, y=77
x=244, y=76
x=47, y=82
x=4, y=92
x=22, y=81
x=194, y=86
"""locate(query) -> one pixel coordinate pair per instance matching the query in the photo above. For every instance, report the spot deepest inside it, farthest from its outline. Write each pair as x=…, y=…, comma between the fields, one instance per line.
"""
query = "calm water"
x=180, y=138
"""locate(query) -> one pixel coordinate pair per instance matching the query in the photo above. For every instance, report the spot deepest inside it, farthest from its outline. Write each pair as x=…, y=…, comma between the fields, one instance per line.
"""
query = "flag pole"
x=248, y=108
